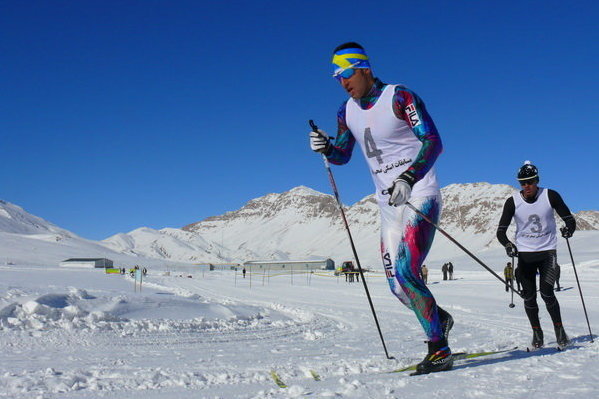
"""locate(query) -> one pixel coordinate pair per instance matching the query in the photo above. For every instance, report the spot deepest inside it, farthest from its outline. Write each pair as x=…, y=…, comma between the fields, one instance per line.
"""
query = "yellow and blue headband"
x=349, y=58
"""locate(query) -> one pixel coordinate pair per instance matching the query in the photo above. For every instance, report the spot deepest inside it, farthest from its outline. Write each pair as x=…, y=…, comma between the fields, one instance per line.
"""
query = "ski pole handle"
x=317, y=130
x=313, y=125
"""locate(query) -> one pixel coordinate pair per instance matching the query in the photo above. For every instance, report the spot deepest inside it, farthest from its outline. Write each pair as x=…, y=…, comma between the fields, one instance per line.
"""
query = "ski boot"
x=446, y=322
x=560, y=336
x=439, y=358
x=537, y=338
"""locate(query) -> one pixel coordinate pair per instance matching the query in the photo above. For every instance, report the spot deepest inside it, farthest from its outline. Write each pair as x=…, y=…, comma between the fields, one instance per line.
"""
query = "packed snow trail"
x=83, y=334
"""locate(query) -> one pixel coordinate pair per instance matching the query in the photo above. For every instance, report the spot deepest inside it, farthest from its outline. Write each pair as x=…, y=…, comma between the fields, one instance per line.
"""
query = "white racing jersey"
x=388, y=143
x=535, y=223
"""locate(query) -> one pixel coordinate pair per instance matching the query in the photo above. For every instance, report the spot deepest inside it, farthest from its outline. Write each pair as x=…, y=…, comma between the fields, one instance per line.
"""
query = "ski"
x=457, y=357
x=277, y=379
x=315, y=375
x=479, y=354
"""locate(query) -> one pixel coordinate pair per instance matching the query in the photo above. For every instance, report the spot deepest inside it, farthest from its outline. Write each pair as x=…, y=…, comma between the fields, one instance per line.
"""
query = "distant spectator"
x=508, y=273
x=444, y=269
x=450, y=270
x=349, y=270
x=352, y=272
x=424, y=273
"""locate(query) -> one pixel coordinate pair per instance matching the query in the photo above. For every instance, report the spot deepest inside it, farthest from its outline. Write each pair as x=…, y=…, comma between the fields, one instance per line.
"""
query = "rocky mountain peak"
x=300, y=204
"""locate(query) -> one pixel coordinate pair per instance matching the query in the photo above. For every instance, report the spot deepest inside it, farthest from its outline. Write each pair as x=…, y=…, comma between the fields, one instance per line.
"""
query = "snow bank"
x=77, y=310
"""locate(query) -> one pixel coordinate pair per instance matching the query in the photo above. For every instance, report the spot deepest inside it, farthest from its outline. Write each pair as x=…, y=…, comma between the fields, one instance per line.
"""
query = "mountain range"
x=297, y=224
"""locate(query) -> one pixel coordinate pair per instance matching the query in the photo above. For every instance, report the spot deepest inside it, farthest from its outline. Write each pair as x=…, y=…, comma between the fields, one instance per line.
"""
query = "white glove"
x=401, y=189
x=400, y=192
x=319, y=141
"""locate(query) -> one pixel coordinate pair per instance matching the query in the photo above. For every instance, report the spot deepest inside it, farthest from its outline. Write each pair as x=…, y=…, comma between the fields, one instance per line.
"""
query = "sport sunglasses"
x=345, y=73
x=528, y=182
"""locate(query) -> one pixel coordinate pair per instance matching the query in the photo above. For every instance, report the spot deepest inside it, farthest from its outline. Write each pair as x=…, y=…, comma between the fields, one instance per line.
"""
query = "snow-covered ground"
x=77, y=333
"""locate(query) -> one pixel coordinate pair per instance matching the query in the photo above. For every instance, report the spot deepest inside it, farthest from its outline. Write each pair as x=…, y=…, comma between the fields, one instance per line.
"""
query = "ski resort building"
x=290, y=265
x=193, y=269
x=87, y=262
x=223, y=266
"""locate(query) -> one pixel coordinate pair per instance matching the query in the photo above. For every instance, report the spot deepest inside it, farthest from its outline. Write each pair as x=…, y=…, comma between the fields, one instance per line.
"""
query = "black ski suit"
x=545, y=262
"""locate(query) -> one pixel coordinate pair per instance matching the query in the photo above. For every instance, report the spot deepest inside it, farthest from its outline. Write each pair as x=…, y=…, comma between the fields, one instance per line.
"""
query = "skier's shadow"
x=575, y=343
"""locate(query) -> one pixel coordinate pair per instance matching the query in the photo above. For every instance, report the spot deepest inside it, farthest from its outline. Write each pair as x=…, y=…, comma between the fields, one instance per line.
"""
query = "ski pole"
x=351, y=241
x=579, y=289
x=511, y=305
x=412, y=207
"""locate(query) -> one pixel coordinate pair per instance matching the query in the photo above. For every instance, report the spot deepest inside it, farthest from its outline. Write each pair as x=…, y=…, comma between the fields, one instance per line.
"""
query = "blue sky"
x=121, y=114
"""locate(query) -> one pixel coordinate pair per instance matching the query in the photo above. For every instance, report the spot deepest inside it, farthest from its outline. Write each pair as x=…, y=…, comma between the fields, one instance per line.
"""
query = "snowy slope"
x=167, y=243
x=276, y=226
x=30, y=240
x=83, y=334
x=13, y=219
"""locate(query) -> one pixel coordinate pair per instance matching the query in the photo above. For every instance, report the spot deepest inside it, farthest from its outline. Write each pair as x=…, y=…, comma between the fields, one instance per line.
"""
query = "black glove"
x=511, y=250
x=566, y=233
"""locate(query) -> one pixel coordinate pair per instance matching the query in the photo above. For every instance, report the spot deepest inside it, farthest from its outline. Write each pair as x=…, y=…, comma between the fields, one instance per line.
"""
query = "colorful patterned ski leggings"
x=406, y=239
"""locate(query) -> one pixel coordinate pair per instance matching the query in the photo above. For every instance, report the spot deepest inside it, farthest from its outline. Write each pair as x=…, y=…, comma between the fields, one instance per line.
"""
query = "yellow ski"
x=277, y=379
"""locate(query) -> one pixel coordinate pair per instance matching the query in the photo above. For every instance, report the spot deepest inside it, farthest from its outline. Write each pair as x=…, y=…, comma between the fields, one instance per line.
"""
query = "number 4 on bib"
x=371, y=150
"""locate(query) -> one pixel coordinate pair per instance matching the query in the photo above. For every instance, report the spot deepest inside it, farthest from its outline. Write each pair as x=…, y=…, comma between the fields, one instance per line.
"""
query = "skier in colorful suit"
x=400, y=143
x=535, y=247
